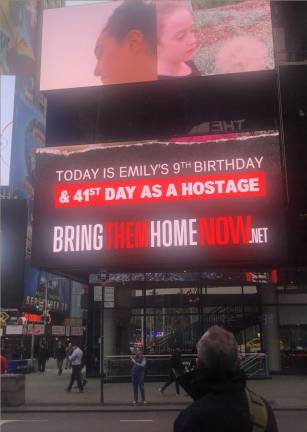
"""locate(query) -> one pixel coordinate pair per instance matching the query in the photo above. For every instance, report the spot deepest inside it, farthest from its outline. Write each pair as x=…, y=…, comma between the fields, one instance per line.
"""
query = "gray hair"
x=218, y=349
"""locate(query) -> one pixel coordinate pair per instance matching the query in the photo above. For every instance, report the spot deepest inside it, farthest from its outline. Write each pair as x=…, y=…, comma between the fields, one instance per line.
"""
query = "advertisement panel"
x=115, y=42
x=28, y=134
x=154, y=205
x=7, y=94
x=18, y=33
x=54, y=289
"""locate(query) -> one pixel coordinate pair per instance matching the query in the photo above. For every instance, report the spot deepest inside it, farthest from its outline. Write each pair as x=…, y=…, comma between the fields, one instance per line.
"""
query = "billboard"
x=7, y=94
x=159, y=205
x=28, y=134
x=18, y=33
x=13, y=239
x=131, y=41
x=46, y=291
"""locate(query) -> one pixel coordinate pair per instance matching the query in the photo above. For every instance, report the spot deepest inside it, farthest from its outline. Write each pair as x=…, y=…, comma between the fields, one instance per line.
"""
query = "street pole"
x=32, y=350
x=102, y=345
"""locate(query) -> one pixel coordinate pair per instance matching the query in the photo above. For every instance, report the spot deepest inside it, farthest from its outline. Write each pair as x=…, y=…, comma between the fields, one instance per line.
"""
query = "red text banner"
x=246, y=184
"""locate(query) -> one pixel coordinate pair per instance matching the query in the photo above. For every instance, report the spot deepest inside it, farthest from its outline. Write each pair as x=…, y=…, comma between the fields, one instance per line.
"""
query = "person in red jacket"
x=4, y=364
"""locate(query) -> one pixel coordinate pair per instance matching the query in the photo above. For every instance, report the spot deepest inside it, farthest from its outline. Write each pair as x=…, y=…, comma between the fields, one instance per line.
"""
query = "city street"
x=153, y=215
x=296, y=421
x=48, y=390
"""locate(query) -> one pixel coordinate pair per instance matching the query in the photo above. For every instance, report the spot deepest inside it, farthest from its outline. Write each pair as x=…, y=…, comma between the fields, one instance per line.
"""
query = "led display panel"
x=7, y=98
x=130, y=41
x=153, y=205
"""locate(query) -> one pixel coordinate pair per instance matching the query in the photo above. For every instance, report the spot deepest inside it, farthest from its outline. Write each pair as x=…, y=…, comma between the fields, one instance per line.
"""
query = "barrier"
x=118, y=368
x=12, y=390
x=18, y=366
x=255, y=365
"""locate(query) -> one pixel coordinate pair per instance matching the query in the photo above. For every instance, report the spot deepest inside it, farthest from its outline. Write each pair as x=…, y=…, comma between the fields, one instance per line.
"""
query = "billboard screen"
x=13, y=239
x=7, y=95
x=155, y=205
x=131, y=41
x=18, y=32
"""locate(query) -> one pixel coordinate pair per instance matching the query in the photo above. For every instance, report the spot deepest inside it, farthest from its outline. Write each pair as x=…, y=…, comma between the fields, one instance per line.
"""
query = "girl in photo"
x=176, y=40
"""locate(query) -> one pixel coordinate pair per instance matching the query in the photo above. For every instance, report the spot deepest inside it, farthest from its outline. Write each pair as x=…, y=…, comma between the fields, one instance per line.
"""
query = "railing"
x=255, y=365
x=118, y=368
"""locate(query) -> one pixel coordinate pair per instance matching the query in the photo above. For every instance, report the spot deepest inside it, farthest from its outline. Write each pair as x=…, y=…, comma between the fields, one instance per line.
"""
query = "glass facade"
x=159, y=312
x=162, y=311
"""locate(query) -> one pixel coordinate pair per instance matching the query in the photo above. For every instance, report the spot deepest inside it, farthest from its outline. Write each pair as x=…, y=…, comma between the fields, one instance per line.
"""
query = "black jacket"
x=176, y=362
x=42, y=353
x=220, y=404
x=60, y=353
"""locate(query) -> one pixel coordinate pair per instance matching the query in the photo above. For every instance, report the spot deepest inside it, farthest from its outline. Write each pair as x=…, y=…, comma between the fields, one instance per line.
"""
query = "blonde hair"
x=165, y=7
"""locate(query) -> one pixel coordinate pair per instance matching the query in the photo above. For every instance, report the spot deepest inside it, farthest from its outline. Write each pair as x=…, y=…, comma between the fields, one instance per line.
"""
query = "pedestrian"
x=175, y=368
x=222, y=403
x=4, y=363
x=76, y=364
x=138, y=373
x=68, y=351
x=60, y=355
x=43, y=356
x=83, y=366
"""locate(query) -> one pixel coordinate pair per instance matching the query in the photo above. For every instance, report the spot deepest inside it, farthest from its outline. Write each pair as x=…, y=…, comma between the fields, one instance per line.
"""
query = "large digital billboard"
x=129, y=41
x=7, y=97
x=159, y=205
x=18, y=32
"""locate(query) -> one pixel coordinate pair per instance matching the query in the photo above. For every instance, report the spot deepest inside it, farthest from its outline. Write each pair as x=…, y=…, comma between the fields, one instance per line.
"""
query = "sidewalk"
x=46, y=392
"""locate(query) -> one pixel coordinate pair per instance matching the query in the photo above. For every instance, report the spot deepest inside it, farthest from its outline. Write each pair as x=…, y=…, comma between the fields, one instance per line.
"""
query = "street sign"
x=36, y=329
x=76, y=331
x=97, y=293
x=109, y=297
x=58, y=330
x=4, y=316
x=14, y=330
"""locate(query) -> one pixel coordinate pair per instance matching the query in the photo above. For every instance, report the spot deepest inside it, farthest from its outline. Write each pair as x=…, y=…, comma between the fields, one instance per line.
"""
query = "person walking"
x=60, y=355
x=221, y=400
x=138, y=373
x=175, y=368
x=42, y=357
x=68, y=351
x=76, y=364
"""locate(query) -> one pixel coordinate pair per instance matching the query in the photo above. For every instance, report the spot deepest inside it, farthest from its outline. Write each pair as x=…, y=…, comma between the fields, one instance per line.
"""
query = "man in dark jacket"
x=218, y=390
x=42, y=357
x=175, y=365
x=60, y=355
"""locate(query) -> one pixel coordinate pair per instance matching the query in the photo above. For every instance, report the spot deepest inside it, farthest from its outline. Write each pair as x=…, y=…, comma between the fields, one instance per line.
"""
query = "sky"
x=7, y=90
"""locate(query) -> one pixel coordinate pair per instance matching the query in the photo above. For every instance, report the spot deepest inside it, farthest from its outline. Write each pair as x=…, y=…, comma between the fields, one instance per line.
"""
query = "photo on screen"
x=130, y=41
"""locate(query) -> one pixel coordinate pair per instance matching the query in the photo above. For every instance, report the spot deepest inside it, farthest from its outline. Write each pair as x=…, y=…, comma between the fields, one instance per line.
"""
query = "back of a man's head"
x=218, y=350
x=134, y=15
